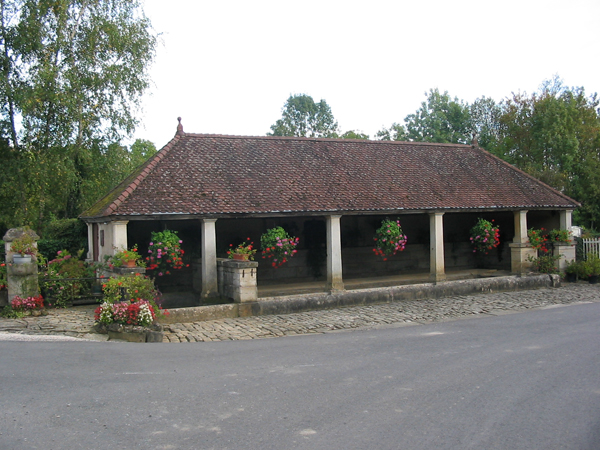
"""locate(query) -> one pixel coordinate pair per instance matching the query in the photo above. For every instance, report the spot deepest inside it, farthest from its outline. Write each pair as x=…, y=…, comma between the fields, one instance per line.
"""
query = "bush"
x=71, y=233
x=545, y=263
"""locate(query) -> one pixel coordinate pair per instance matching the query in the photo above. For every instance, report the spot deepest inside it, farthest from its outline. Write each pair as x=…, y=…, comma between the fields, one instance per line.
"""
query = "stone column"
x=90, y=233
x=520, y=249
x=565, y=219
x=565, y=250
x=334, y=254
x=119, y=235
x=210, y=287
x=437, y=270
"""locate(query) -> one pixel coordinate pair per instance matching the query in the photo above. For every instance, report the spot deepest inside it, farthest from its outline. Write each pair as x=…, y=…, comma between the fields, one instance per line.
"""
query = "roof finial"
x=179, y=128
x=474, y=142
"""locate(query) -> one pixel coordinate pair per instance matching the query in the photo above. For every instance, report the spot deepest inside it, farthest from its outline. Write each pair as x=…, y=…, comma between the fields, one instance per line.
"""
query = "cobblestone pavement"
x=403, y=312
x=78, y=321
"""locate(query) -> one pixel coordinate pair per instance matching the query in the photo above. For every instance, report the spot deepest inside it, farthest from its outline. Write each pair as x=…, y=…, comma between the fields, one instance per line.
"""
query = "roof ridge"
x=302, y=138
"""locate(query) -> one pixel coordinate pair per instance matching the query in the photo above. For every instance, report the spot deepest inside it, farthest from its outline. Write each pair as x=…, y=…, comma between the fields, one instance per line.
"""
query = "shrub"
x=27, y=304
x=545, y=264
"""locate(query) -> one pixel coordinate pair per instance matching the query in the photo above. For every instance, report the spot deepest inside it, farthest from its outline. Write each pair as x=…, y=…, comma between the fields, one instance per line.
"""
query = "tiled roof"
x=216, y=175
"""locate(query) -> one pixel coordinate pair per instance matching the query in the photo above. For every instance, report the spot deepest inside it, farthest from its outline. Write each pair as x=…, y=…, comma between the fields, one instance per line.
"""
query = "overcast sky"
x=227, y=67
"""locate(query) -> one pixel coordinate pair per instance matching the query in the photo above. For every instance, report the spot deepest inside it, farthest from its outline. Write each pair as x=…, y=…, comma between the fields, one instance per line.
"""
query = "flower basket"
x=389, y=239
x=278, y=245
x=165, y=253
x=484, y=236
x=239, y=257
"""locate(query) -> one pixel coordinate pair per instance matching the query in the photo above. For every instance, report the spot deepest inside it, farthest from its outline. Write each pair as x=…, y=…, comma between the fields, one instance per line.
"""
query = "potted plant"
x=125, y=258
x=593, y=268
x=571, y=271
x=24, y=248
x=389, y=239
x=278, y=245
x=243, y=252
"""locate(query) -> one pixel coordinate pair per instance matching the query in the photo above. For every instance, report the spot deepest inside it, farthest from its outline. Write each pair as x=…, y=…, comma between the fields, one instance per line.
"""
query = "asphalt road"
x=520, y=381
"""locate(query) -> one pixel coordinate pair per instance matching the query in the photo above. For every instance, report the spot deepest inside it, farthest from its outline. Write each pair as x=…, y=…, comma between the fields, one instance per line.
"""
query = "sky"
x=228, y=67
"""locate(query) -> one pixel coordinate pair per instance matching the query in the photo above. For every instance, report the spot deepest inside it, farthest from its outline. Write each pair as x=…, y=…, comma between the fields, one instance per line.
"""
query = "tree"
x=484, y=122
x=351, y=134
x=302, y=117
x=72, y=77
x=396, y=132
x=440, y=119
x=555, y=136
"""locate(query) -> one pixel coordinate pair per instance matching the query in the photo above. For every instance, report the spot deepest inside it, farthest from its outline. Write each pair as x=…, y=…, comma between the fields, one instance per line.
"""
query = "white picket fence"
x=591, y=246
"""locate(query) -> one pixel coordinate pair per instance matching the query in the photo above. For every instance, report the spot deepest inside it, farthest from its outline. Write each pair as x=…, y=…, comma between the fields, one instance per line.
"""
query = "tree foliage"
x=440, y=119
x=553, y=135
x=72, y=75
x=302, y=117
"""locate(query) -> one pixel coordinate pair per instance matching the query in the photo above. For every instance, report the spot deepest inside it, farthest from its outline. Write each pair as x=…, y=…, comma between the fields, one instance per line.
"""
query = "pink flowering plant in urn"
x=389, y=239
x=484, y=236
x=278, y=245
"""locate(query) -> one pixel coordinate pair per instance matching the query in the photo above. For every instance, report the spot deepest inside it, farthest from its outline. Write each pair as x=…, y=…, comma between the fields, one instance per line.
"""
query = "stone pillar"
x=209, y=259
x=566, y=219
x=90, y=233
x=437, y=270
x=520, y=250
x=237, y=280
x=334, y=254
x=119, y=235
x=22, y=278
x=565, y=250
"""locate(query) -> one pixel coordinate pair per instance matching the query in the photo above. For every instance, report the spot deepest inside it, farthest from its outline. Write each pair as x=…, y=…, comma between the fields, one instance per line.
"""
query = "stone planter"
x=131, y=333
x=21, y=270
x=21, y=259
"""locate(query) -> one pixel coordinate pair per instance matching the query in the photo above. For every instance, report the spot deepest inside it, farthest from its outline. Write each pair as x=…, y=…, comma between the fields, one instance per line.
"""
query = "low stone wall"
x=305, y=302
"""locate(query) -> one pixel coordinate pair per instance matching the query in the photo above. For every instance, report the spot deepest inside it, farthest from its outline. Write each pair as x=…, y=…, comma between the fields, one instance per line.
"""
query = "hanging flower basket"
x=278, y=245
x=484, y=236
x=389, y=239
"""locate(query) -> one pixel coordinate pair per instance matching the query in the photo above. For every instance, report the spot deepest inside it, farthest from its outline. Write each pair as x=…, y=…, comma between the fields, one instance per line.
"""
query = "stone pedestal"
x=566, y=251
x=519, y=256
x=237, y=280
x=22, y=278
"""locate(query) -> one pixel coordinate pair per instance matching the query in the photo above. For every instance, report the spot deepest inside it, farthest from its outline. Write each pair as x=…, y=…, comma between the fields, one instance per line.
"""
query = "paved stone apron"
x=78, y=321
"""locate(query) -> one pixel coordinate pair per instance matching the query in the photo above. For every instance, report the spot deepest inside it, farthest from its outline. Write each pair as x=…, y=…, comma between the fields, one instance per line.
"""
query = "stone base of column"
x=335, y=286
x=237, y=280
x=519, y=258
x=566, y=253
x=437, y=277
